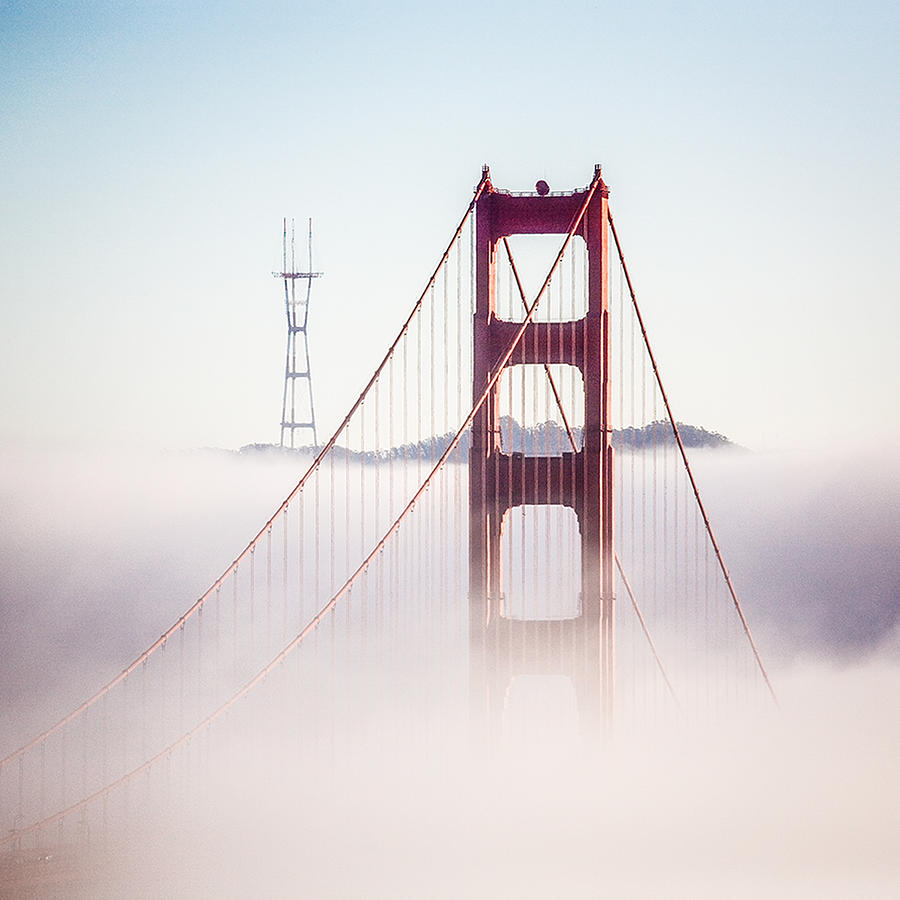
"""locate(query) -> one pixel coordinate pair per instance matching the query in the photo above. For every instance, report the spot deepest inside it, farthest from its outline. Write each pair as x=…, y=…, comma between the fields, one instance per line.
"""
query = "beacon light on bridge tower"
x=580, y=646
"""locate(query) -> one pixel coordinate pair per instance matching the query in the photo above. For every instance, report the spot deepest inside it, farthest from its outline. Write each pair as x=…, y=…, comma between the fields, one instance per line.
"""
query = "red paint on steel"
x=573, y=443
x=499, y=645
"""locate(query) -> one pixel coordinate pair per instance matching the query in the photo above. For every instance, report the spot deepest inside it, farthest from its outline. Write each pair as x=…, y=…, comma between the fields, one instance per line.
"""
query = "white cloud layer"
x=99, y=555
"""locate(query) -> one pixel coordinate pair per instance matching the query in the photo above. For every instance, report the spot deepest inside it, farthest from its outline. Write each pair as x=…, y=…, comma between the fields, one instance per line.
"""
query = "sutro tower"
x=297, y=410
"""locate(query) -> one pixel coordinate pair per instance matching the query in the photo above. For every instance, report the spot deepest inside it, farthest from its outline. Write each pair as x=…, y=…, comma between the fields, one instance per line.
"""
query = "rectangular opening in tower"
x=564, y=300
x=541, y=558
x=541, y=409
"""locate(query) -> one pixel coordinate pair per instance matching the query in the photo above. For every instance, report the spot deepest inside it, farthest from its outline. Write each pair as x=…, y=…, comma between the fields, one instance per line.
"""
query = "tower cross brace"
x=501, y=647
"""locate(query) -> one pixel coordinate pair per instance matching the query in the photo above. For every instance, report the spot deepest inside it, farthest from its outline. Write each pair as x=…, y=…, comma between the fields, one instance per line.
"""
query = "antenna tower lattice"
x=297, y=408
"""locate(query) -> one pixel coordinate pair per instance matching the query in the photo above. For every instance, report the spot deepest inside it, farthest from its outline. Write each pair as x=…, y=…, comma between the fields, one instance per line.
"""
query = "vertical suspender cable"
x=683, y=452
x=574, y=445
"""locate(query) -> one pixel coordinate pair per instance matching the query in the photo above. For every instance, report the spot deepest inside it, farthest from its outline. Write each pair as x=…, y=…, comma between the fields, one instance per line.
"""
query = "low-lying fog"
x=99, y=554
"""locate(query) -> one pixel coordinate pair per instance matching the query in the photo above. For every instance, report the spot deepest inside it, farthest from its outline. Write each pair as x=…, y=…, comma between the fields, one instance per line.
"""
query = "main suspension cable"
x=675, y=430
x=313, y=623
x=574, y=444
x=232, y=568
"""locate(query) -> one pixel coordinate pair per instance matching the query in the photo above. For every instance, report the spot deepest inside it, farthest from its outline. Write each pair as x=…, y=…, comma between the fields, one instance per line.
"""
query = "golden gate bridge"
x=509, y=496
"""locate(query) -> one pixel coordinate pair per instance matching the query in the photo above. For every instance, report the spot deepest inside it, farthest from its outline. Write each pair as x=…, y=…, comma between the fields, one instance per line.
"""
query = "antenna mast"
x=297, y=409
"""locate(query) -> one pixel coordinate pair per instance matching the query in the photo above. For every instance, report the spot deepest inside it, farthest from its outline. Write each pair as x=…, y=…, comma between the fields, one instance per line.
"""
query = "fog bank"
x=99, y=554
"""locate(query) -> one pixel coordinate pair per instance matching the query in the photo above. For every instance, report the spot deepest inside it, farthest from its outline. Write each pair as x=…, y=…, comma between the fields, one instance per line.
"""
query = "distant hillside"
x=546, y=439
x=551, y=439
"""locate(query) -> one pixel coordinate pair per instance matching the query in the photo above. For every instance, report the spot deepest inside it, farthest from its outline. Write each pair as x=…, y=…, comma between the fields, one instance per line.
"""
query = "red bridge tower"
x=582, y=646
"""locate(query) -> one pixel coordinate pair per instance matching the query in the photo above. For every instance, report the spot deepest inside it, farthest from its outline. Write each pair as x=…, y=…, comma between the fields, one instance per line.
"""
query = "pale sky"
x=149, y=150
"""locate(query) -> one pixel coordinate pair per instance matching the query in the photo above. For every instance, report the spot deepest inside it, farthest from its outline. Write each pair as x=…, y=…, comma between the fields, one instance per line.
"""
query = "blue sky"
x=148, y=152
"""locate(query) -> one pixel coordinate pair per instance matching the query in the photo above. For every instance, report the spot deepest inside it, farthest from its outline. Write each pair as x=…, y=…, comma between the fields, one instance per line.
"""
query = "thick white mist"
x=798, y=803
x=99, y=556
